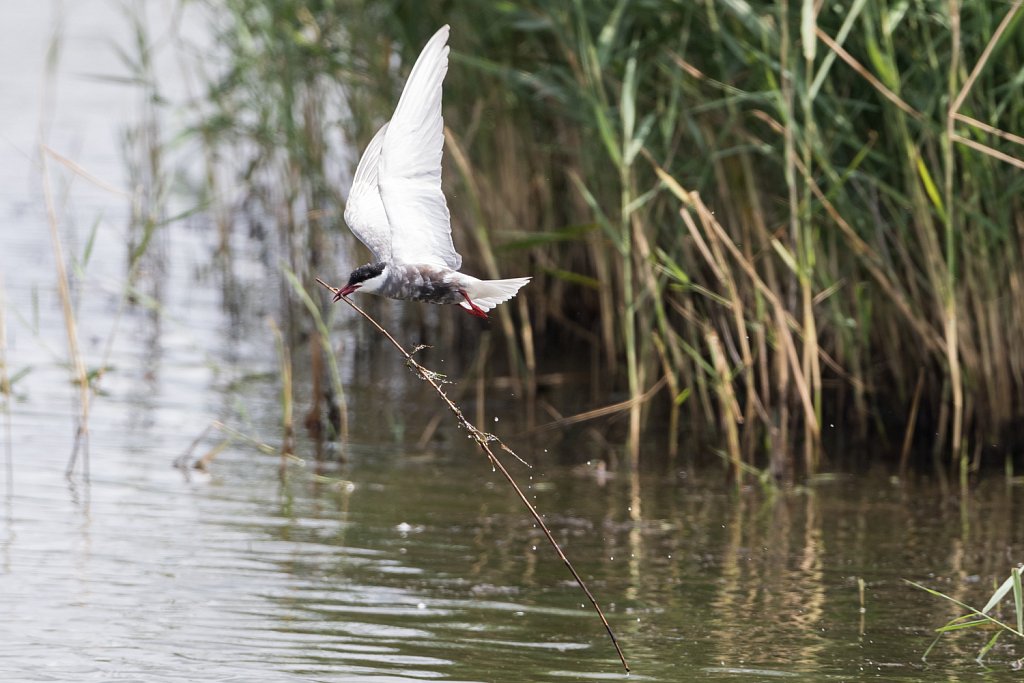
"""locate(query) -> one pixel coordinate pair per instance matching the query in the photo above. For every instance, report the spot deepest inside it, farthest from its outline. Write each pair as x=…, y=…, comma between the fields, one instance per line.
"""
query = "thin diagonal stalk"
x=484, y=440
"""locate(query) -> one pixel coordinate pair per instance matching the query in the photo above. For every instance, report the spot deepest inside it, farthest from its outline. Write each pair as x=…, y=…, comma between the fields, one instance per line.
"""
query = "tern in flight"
x=397, y=209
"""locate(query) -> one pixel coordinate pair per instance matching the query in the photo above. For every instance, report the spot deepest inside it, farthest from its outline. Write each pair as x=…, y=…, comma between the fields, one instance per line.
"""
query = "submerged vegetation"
x=758, y=219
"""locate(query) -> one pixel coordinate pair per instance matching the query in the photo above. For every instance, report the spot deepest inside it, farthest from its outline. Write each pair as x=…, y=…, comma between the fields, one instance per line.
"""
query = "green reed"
x=841, y=223
x=794, y=214
x=279, y=83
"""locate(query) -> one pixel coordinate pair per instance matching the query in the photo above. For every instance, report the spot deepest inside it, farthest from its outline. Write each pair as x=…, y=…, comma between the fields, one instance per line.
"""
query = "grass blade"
x=1000, y=593
x=988, y=646
x=1018, y=598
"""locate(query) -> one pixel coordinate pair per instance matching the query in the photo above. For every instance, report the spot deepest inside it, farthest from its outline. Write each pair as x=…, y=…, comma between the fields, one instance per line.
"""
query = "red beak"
x=345, y=291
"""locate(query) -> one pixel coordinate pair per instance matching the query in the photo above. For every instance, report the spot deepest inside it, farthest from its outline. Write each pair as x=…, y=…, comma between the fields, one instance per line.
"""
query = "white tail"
x=486, y=294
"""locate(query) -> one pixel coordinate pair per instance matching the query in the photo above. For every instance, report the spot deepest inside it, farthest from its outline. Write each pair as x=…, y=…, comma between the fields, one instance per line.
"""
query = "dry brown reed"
x=78, y=371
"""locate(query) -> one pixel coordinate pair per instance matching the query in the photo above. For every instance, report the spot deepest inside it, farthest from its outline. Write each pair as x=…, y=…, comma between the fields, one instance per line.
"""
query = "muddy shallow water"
x=401, y=562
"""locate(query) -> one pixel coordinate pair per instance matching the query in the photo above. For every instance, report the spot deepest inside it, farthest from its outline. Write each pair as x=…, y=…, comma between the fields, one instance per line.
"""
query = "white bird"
x=397, y=209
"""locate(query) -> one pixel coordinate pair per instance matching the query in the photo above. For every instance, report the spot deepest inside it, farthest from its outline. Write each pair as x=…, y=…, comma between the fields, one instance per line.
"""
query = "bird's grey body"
x=397, y=209
x=432, y=284
x=422, y=282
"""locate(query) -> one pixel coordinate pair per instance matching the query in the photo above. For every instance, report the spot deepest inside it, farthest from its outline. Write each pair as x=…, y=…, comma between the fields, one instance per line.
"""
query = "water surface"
x=385, y=561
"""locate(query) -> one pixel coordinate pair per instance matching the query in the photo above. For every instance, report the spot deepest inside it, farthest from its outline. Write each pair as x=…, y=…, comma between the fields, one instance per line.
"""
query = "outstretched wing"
x=364, y=210
x=410, y=165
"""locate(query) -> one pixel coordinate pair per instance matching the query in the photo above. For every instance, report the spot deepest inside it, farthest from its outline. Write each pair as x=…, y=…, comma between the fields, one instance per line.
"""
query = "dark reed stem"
x=484, y=440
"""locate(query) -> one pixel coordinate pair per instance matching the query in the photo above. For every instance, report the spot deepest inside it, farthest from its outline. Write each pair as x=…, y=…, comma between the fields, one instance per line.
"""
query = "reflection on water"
x=401, y=563
x=427, y=569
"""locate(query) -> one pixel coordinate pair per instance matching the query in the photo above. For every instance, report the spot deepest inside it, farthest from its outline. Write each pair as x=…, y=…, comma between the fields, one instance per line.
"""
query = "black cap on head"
x=365, y=273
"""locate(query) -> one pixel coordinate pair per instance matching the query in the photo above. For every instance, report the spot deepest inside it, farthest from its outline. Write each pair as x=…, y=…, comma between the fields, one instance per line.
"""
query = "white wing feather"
x=364, y=210
x=409, y=172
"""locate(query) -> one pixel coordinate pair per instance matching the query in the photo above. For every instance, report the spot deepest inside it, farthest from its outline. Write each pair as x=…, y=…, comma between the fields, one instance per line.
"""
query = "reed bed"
x=800, y=222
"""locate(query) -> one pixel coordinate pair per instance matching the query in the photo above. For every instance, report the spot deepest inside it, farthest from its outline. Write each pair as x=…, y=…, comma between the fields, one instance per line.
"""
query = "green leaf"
x=989, y=645
x=931, y=188
x=894, y=16
x=602, y=219
x=628, y=104
x=786, y=256
x=87, y=252
x=638, y=202
x=672, y=268
x=973, y=612
x=960, y=625
x=634, y=146
x=1018, y=598
x=808, y=21
x=569, y=233
x=607, y=131
x=830, y=56
x=575, y=278
x=1000, y=593
x=878, y=60
x=606, y=38
x=318, y=320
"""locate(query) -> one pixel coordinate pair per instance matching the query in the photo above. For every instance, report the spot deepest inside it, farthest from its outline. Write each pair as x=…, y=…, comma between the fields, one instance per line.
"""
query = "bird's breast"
x=432, y=284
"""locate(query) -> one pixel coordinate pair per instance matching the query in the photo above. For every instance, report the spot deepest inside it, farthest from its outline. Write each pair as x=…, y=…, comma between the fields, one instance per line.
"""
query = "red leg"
x=473, y=308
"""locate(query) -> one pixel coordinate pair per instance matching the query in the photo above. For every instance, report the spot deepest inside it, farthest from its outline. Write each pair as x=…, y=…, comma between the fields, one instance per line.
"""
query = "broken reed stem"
x=483, y=440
